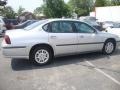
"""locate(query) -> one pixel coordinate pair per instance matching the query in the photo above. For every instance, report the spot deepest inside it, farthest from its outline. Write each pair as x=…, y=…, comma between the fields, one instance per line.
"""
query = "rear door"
x=63, y=37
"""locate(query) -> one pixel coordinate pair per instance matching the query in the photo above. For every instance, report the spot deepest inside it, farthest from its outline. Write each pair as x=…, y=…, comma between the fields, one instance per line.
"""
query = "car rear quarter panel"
x=22, y=43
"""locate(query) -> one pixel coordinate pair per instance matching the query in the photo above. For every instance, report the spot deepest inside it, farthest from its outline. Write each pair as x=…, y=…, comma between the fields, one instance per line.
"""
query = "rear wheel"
x=41, y=56
x=109, y=47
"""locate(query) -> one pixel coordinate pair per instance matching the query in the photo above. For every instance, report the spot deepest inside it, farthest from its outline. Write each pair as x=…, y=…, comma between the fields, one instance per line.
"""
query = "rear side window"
x=55, y=26
x=66, y=27
x=62, y=27
x=46, y=27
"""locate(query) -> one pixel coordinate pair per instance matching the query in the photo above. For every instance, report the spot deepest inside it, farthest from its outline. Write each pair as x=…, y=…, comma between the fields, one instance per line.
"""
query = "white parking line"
x=102, y=72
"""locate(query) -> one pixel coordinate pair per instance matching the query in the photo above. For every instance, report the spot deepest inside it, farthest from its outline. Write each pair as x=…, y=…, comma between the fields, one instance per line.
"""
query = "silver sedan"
x=43, y=40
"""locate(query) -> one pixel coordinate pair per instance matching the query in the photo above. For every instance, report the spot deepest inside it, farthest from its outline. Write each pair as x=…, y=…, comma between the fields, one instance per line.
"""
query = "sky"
x=29, y=5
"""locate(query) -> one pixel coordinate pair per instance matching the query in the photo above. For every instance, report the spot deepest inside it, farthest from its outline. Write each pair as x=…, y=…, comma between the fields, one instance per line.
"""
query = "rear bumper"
x=15, y=52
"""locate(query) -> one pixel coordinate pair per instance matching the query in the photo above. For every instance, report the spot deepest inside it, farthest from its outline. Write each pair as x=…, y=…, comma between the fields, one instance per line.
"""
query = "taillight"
x=7, y=39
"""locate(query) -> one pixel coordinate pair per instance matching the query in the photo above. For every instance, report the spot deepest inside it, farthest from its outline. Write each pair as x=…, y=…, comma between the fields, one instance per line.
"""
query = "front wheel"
x=109, y=47
x=41, y=56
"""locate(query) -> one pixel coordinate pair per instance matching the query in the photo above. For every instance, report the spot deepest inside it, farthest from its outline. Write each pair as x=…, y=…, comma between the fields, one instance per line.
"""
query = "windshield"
x=108, y=22
x=116, y=25
x=91, y=22
x=91, y=18
x=34, y=25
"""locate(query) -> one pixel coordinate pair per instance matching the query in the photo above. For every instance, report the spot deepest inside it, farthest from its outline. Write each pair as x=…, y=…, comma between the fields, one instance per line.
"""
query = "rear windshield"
x=34, y=25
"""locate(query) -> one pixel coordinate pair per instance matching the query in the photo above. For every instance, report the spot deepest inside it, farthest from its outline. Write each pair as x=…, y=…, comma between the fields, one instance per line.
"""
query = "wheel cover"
x=42, y=56
x=109, y=47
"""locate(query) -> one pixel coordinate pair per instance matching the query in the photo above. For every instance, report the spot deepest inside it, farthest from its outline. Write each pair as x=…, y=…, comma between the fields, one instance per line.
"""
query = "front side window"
x=62, y=27
x=84, y=28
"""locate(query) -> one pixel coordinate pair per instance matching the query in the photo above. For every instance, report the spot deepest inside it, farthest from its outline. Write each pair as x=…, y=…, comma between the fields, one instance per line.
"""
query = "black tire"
x=34, y=53
x=105, y=45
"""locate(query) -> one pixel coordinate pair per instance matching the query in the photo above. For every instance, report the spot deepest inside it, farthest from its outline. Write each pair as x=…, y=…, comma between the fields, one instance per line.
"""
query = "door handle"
x=53, y=37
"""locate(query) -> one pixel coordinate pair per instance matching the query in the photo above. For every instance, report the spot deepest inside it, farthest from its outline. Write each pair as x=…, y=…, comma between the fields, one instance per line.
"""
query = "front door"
x=88, y=39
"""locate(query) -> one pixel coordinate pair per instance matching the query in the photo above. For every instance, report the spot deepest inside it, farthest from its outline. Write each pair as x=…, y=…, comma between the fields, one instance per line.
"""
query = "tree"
x=2, y=5
x=39, y=10
x=20, y=10
x=81, y=7
x=100, y=3
x=115, y=2
x=55, y=8
x=109, y=3
x=8, y=12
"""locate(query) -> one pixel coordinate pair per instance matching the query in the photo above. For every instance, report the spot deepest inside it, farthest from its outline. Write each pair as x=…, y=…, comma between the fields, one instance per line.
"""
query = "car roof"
x=59, y=19
x=32, y=20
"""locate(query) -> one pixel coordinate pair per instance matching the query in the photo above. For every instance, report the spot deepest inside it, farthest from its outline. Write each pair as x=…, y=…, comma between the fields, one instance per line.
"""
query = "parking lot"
x=92, y=71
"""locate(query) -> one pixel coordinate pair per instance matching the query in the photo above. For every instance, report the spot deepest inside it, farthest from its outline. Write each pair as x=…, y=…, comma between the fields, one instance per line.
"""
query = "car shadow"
x=24, y=64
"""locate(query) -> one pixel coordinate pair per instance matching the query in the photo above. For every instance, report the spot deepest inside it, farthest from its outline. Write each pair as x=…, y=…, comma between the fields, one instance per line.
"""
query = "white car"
x=115, y=29
x=107, y=24
x=43, y=40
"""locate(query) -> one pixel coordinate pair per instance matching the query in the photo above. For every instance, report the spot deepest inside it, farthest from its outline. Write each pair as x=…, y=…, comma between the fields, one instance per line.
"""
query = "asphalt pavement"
x=93, y=71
